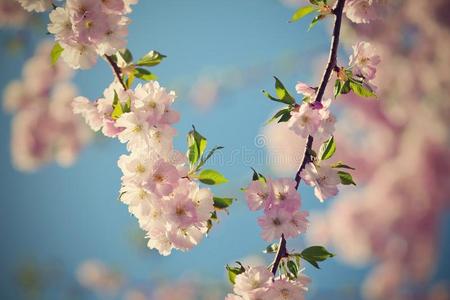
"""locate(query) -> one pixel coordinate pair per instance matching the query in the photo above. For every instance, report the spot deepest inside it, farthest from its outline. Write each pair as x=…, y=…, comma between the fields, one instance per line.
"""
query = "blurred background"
x=65, y=235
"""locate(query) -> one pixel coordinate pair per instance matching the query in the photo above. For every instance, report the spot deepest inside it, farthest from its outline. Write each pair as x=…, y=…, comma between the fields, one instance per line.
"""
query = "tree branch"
x=116, y=71
x=337, y=10
x=307, y=156
x=282, y=252
x=331, y=65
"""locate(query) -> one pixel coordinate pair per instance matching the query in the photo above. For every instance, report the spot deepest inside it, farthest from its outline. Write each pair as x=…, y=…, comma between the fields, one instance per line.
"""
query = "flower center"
x=276, y=222
x=158, y=178
x=140, y=169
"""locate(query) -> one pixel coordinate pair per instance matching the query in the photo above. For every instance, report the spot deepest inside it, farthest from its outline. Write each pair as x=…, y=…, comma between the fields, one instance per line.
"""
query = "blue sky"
x=73, y=214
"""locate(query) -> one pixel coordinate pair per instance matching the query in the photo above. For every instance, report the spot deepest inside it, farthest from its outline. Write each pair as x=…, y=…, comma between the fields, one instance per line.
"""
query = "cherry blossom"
x=323, y=178
x=364, y=60
x=87, y=29
x=44, y=128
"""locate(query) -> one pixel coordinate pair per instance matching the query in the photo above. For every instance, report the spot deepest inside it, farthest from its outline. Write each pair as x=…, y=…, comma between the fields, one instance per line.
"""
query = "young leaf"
x=144, y=74
x=258, y=176
x=151, y=59
x=282, y=93
x=316, y=254
x=361, y=89
x=127, y=56
x=211, y=177
x=234, y=271
x=346, y=178
x=341, y=165
x=196, y=145
x=56, y=52
x=284, y=115
x=293, y=268
x=222, y=203
x=314, y=22
x=272, y=248
x=327, y=149
x=118, y=108
x=302, y=12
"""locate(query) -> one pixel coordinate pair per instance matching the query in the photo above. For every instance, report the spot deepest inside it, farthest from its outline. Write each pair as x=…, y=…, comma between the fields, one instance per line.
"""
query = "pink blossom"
x=305, y=90
x=257, y=193
x=360, y=11
x=364, y=60
x=163, y=178
x=283, y=289
x=283, y=194
x=323, y=178
x=254, y=278
x=281, y=221
x=305, y=121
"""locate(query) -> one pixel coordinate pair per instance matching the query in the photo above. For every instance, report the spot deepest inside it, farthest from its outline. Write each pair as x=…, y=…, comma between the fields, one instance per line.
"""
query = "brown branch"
x=307, y=155
x=331, y=65
x=282, y=252
x=117, y=71
x=337, y=10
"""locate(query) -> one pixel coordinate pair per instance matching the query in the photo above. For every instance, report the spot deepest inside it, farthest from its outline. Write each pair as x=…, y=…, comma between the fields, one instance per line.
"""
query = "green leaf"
x=316, y=254
x=222, y=203
x=314, y=22
x=127, y=56
x=327, y=149
x=196, y=145
x=151, y=59
x=341, y=165
x=346, y=178
x=211, y=177
x=117, y=107
x=284, y=115
x=272, y=248
x=144, y=74
x=234, y=271
x=282, y=93
x=293, y=268
x=361, y=89
x=56, y=52
x=258, y=176
x=302, y=12
x=203, y=160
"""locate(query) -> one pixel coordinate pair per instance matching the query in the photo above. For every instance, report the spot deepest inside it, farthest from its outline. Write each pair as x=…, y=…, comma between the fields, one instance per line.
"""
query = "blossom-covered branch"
x=331, y=64
x=279, y=198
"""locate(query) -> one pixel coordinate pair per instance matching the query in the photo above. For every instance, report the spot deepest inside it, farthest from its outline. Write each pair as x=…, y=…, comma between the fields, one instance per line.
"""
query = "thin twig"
x=307, y=156
x=116, y=70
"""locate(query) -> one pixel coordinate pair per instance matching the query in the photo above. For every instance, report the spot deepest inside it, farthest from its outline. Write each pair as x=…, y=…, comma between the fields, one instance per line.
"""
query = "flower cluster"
x=259, y=283
x=156, y=186
x=44, y=128
x=281, y=203
x=87, y=28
